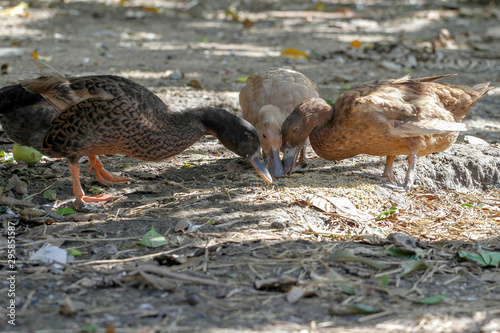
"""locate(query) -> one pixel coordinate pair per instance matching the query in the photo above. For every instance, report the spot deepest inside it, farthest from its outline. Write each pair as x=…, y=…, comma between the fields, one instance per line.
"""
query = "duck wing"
x=63, y=93
x=408, y=108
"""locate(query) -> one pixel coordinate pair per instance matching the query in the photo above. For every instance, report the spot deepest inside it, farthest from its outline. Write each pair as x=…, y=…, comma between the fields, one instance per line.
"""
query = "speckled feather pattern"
x=105, y=114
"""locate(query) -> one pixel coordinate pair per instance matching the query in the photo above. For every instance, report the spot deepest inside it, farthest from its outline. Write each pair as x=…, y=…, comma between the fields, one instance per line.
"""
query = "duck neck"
x=194, y=123
x=333, y=132
x=326, y=131
x=322, y=120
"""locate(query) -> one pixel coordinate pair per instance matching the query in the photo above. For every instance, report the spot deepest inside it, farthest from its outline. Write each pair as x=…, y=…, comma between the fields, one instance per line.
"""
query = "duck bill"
x=274, y=164
x=290, y=159
x=258, y=163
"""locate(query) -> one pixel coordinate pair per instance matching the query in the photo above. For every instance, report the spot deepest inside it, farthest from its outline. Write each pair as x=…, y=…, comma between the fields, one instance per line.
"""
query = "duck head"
x=269, y=131
x=237, y=135
x=297, y=127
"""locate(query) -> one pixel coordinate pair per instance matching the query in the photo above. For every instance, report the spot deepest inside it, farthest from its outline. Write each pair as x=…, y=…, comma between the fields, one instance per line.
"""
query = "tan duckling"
x=267, y=99
x=382, y=118
x=105, y=114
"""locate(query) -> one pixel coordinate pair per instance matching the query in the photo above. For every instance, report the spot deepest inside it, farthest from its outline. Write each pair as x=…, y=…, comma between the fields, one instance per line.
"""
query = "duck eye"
x=295, y=130
x=264, y=136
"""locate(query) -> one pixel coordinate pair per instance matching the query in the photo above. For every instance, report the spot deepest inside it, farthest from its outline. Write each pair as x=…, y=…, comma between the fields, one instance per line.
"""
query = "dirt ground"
x=304, y=254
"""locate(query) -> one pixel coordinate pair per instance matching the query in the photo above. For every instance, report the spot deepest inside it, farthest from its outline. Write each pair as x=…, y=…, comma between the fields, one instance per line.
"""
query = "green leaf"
x=478, y=206
x=242, y=79
x=190, y=165
x=399, y=252
x=50, y=195
x=89, y=328
x=433, y=299
x=65, y=211
x=411, y=266
x=331, y=103
x=95, y=190
x=363, y=309
x=384, y=280
x=385, y=214
x=203, y=40
x=347, y=86
x=484, y=258
x=352, y=309
x=75, y=252
x=6, y=157
x=491, y=258
x=91, y=228
x=153, y=239
x=347, y=288
x=408, y=70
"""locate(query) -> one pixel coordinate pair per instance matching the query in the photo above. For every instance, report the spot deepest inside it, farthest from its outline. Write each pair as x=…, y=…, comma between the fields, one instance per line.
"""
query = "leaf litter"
x=334, y=264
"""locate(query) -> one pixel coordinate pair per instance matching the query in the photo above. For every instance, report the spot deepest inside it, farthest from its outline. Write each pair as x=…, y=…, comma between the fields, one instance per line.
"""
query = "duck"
x=386, y=117
x=73, y=117
x=268, y=97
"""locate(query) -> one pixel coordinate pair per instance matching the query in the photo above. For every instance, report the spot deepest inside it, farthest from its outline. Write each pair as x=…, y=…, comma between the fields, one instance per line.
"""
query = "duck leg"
x=388, y=171
x=410, y=175
x=103, y=176
x=302, y=157
x=74, y=169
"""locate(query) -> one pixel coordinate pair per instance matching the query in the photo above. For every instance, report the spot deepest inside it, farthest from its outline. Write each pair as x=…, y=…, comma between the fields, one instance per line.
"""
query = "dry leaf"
x=18, y=185
x=296, y=293
x=276, y=284
x=150, y=9
x=294, y=54
x=19, y=9
x=356, y=43
x=194, y=84
x=31, y=213
x=143, y=278
x=182, y=225
x=67, y=309
x=401, y=240
x=339, y=205
x=247, y=24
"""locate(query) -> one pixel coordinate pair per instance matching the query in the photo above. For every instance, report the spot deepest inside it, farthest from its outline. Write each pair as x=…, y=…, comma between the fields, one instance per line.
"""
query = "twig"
x=29, y=196
x=178, y=276
x=15, y=202
x=148, y=256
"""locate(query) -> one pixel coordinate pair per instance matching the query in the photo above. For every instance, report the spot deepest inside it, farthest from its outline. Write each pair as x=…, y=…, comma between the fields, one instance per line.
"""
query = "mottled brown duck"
x=267, y=99
x=382, y=118
x=105, y=114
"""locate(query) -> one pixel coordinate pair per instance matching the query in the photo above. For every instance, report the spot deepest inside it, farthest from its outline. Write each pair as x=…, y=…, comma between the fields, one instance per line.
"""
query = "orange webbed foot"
x=103, y=176
x=77, y=187
x=101, y=197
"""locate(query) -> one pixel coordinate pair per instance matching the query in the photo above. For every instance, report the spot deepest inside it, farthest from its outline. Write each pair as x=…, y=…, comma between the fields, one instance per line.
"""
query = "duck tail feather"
x=470, y=97
x=44, y=66
x=55, y=89
x=434, y=78
x=482, y=89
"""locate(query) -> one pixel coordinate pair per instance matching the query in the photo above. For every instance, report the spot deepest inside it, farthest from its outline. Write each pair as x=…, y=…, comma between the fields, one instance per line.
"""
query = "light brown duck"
x=383, y=118
x=267, y=99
